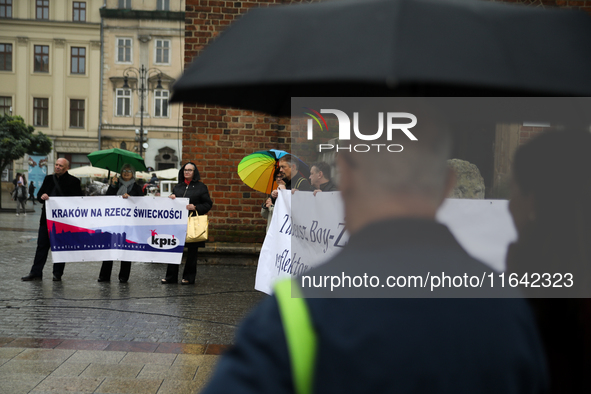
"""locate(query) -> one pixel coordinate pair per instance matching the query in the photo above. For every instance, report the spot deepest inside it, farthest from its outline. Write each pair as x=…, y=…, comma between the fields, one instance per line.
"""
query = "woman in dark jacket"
x=190, y=187
x=124, y=187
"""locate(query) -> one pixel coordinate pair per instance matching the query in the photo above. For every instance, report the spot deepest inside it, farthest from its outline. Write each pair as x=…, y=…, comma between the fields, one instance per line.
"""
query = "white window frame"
x=117, y=46
x=123, y=94
x=125, y=6
x=161, y=47
x=163, y=5
x=159, y=97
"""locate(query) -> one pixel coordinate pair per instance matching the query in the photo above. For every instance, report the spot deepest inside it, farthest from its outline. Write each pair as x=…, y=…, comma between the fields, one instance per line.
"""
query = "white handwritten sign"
x=307, y=230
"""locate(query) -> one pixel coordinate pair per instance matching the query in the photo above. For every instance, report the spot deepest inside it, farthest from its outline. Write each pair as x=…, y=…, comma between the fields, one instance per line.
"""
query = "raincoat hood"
x=196, y=175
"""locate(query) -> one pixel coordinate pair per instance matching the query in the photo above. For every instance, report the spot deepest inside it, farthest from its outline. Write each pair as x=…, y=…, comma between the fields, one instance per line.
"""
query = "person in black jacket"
x=190, y=187
x=60, y=183
x=289, y=166
x=124, y=187
x=320, y=178
x=32, y=192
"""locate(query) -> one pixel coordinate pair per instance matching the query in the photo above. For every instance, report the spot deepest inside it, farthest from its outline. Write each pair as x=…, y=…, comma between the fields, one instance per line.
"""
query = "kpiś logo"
x=392, y=122
x=162, y=241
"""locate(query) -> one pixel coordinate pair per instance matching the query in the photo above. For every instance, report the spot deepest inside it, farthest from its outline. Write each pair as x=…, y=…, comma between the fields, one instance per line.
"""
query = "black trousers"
x=190, y=271
x=43, y=247
x=107, y=267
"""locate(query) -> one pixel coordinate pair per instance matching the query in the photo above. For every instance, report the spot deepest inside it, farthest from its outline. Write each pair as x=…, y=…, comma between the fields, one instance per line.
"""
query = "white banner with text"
x=97, y=228
x=316, y=230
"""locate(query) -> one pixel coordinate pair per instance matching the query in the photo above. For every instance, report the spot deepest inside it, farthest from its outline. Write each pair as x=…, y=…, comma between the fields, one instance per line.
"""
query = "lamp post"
x=143, y=74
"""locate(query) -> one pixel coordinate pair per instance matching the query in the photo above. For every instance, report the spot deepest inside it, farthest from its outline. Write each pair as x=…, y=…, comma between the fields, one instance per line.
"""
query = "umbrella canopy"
x=444, y=48
x=169, y=173
x=113, y=159
x=143, y=175
x=88, y=171
x=257, y=170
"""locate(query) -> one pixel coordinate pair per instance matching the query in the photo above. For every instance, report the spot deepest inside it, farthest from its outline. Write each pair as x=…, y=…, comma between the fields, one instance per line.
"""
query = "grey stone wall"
x=469, y=182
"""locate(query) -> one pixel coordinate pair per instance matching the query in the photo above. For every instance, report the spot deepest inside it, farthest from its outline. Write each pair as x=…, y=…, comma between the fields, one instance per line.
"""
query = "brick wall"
x=217, y=138
x=584, y=5
x=528, y=132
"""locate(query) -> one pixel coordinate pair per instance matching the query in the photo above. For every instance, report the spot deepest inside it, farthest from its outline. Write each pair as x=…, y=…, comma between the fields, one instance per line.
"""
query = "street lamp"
x=143, y=74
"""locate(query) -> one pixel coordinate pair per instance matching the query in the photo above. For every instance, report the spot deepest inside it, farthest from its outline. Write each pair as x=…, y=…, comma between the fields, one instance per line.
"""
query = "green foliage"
x=40, y=144
x=18, y=138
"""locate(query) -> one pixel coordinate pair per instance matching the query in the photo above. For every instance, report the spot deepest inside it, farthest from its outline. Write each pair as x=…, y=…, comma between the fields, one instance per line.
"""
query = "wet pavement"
x=97, y=328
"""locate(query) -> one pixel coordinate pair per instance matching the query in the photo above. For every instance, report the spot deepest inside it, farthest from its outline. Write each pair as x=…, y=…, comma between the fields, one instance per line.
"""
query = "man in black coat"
x=59, y=184
x=289, y=167
x=383, y=338
x=320, y=178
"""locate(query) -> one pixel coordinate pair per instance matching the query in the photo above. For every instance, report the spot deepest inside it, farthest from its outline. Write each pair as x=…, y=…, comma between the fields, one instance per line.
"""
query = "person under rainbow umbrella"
x=257, y=170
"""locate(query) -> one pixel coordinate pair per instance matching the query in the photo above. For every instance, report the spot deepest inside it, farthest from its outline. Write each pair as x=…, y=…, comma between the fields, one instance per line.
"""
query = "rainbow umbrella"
x=257, y=170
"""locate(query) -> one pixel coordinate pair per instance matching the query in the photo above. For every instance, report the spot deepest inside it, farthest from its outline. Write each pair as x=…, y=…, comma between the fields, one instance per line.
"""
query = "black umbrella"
x=391, y=48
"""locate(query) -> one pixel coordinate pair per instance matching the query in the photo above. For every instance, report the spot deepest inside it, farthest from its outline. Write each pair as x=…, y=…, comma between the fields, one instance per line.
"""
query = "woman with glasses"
x=190, y=187
x=125, y=186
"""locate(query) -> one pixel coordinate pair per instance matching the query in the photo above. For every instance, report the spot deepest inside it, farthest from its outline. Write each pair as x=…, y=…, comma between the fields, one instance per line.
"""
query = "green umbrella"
x=113, y=159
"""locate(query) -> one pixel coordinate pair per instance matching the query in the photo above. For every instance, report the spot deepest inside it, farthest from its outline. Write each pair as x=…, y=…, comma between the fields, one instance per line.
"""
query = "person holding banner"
x=60, y=183
x=191, y=187
x=124, y=187
x=269, y=204
x=289, y=166
x=320, y=178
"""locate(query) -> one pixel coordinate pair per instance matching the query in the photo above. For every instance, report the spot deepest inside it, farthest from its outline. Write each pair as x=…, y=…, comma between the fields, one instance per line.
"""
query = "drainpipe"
x=100, y=125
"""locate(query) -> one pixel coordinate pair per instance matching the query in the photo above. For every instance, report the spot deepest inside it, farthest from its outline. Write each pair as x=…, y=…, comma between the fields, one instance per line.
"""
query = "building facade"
x=143, y=45
x=50, y=72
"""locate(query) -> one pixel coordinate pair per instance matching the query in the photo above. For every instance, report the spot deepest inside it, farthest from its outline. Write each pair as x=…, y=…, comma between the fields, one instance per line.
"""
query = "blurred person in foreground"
x=125, y=186
x=58, y=184
x=320, y=178
x=269, y=204
x=191, y=187
x=551, y=208
x=393, y=345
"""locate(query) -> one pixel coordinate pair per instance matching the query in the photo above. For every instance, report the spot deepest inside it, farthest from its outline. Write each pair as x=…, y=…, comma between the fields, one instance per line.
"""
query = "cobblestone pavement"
x=79, y=307
x=79, y=313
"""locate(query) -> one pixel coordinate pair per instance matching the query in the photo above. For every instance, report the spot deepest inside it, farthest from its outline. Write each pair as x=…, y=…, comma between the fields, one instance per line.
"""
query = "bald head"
x=61, y=166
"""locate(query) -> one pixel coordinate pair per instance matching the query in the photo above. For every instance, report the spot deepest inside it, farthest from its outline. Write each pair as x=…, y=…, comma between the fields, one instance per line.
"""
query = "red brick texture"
x=584, y=5
x=526, y=133
x=217, y=138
